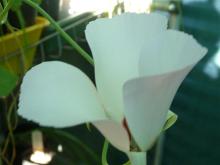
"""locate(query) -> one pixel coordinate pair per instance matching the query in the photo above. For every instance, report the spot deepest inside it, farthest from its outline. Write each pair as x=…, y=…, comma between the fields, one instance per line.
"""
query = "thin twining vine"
x=10, y=136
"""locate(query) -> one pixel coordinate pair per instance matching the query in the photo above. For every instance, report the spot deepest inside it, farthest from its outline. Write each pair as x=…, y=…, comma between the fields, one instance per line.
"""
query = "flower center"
x=133, y=145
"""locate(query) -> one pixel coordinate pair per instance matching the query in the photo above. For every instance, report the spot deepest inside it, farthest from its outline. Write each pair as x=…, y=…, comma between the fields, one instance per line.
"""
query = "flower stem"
x=5, y=10
x=105, y=152
x=138, y=158
x=61, y=31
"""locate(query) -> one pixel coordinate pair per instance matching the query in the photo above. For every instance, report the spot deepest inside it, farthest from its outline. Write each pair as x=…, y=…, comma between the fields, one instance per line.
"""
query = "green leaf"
x=4, y=19
x=127, y=163
x=16, y=5
x=7, y=82
x=37, y=1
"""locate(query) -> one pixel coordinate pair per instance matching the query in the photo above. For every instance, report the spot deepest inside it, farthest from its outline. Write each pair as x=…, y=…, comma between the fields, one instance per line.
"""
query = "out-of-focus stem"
x=138, y=158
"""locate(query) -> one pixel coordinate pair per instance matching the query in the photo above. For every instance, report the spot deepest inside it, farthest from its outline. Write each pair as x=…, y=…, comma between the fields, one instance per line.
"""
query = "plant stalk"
x=138, y=158
x=105, y=152
x=61, y=31
x=5, y=10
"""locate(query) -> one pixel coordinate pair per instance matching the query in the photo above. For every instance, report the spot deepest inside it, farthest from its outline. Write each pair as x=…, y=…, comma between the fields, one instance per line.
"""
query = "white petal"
x=137, y=158
x=147, y=101
x=164, y=64
x=115, y=45
x=60, y=95
x=170, y=51
x=115, y=133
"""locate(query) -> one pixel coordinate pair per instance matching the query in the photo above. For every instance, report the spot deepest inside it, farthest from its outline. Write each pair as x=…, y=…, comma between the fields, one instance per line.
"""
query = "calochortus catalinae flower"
x=139, y=65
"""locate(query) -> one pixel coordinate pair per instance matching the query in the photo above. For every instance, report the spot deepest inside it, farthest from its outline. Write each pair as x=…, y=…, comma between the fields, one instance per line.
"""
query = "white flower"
x=139, y=65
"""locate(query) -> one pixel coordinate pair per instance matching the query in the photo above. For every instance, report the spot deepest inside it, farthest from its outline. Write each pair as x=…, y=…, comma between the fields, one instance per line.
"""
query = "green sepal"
x=171, y=119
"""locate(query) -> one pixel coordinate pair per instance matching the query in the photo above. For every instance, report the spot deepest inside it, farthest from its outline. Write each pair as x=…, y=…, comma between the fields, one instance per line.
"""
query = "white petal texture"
x=163, y=65
x=59, y=95
x=169, y=51
x=116, y=44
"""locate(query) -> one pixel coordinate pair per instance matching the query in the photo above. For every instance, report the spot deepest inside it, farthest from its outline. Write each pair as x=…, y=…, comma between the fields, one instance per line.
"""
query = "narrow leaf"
x=4, y=19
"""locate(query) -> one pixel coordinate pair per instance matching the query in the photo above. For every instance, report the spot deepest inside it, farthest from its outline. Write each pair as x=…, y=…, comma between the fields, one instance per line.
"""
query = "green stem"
x=137, y=158
x=5, y=10
x=20, y=19
x=104, y=153
x=25, y=37
x=5, y=3
x=61, y=31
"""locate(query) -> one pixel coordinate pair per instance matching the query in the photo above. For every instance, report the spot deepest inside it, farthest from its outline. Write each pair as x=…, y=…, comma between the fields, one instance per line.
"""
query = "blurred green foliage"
x=7, y=82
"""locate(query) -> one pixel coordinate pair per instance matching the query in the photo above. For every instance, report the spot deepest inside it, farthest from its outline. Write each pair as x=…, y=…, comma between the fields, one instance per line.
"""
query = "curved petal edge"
x=59, y=95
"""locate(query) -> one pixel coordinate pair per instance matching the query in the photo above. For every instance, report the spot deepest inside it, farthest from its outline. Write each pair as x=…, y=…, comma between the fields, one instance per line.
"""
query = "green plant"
x=9, y=81
x=133, y=106
x=136, y=144
x=14, y=4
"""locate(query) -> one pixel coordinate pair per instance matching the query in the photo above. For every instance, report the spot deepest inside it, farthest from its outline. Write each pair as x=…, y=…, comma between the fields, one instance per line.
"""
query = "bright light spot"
x=81, y=6
x=60, y=148
x=217, y=58
x=217, y=5
x=41, y=157
x=211, y=69
x=25, y=162
x=138, y=6
x=37, y=141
